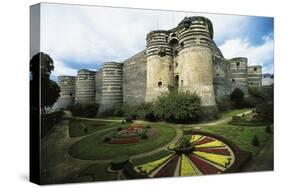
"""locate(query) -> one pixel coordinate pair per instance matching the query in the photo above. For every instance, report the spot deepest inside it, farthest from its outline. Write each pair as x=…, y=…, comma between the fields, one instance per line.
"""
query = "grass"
x=241, y=135
x=99, y=172
x=92, y=147
x=77, y=127
x=156, y=156
x=231, y=113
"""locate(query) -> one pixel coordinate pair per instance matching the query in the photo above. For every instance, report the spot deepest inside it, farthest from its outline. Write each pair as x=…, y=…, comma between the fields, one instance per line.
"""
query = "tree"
x=178, y=106
x=237, y=96
x=41, y=66
x=45, y=62
x=50, y=92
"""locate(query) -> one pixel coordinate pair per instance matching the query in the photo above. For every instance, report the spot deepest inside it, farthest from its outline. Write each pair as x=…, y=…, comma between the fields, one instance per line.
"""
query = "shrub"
x=148, y=126
x=237, y=96
x=268, y=129
x=255, y=141
x=144, y=137
x=129, y=119
x=118, y=162
x=119, y=129
x=145, y=111
x=107, y=139
x=178, y=106
x=84, y=110
x=266, y=112
x=225, y=104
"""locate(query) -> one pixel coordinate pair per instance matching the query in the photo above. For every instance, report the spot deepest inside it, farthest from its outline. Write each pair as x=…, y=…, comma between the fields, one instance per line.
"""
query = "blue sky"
x=85, y=36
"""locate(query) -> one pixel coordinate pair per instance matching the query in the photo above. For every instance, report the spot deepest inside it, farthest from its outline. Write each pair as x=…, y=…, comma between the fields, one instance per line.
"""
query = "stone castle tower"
x=183, y=58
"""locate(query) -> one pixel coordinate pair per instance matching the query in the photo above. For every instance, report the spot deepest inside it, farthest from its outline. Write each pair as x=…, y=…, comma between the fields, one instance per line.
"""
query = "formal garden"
x=173, y=136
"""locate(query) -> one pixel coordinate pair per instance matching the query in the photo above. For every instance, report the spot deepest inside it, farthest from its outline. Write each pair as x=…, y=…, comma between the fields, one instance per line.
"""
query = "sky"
x=79, y=37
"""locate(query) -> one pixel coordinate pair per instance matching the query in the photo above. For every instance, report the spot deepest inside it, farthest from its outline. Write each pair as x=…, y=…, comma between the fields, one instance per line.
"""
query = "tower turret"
x=195, y=58
x=159, y=64
x=85, y=87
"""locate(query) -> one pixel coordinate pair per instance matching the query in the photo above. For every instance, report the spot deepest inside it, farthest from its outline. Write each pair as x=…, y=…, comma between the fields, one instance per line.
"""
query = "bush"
x=266, y=111
x=84, y=110
x=255, y=141
x=129, y=119
x=237, y=96
x=225, y=104
x=144, y=137
x=118, y=162
x=148, y=126
x=178, y=106
x=107, y=139
x=268, y=129
x=251, y=101
x=209, y=113
x=119, y=129
x=145, y=111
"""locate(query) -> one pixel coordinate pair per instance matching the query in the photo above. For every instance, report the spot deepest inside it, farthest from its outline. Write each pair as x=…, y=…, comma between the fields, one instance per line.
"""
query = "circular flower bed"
x=130, y=134
x=203, y=154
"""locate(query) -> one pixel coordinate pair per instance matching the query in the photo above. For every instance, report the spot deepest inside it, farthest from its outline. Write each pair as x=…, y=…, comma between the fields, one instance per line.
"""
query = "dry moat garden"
x=89, y=149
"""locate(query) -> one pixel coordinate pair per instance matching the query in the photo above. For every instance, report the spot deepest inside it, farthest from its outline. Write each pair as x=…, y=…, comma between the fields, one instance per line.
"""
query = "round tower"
x=239, y=74
x=67, y=91
x=85, y=87
x=255, y=76
x=159, y=64
x=195, y=58
x=112, y=82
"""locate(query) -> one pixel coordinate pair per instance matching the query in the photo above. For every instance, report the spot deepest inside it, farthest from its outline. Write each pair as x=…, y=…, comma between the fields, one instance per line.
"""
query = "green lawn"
x=153, y=157
x=240, y=135
x=99, y=172
x=92, y=147
x=77, y=127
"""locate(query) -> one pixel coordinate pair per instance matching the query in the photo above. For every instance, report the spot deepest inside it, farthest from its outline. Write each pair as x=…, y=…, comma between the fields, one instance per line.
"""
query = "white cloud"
x=62, y=69
x=93, y=35
x=257, y=54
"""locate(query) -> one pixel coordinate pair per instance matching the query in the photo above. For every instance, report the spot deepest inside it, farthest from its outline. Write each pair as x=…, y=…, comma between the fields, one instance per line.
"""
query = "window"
x=177, y=81
x=182, y=45
x=70, y=94
x=182, y=82
x=233, y=80
x=255, y=69
x=177, y=65
x=237, y=65
x=159, y=84
x=170, y=67
x=166, y=38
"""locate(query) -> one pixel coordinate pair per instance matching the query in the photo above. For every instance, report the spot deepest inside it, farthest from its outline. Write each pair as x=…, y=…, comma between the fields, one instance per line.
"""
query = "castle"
x=185, y=58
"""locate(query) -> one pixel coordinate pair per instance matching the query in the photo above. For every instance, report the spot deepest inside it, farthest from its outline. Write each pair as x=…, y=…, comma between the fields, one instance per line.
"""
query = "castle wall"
x=239, y=74
x=195, y=60
x=85, y=87
x=159, y=65
x=67, y=91
x=112, y=85
x=98, y=86
x=221, y=77
x=134, y=79
x=254, y=76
